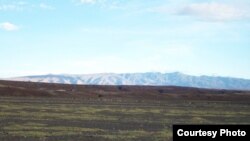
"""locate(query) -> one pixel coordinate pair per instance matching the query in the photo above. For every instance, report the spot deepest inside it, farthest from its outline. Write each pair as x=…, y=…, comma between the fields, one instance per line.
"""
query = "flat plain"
x=56, y=112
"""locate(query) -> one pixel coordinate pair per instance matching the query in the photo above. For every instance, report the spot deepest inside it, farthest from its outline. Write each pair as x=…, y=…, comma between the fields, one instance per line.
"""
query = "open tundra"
x=51, y=112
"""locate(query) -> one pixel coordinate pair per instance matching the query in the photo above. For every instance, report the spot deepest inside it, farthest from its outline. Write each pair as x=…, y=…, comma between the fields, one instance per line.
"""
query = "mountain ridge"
x=148, y=78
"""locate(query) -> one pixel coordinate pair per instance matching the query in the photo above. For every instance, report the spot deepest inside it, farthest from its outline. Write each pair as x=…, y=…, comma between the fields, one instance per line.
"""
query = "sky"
x=196, y=37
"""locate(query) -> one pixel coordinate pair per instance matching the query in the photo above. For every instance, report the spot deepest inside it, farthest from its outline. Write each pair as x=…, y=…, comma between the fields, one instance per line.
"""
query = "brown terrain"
x=29, y=89
x=60, y=112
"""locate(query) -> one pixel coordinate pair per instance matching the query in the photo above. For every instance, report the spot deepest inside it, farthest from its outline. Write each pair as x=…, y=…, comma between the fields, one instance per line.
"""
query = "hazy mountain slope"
x=176, y=79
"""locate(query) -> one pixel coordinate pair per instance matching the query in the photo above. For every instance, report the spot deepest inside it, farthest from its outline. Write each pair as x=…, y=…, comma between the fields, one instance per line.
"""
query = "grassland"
x=64, y=119
x=115, y=118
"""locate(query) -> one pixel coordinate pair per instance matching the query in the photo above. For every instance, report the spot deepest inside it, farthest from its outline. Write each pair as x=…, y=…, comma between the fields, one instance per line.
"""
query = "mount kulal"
x=150, y=78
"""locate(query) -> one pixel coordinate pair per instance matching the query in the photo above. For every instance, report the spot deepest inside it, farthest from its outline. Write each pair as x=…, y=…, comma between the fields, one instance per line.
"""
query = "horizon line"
x=105, y=73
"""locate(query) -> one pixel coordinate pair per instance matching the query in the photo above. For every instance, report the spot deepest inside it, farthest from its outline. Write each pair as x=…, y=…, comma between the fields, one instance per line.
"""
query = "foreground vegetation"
x=69, y=119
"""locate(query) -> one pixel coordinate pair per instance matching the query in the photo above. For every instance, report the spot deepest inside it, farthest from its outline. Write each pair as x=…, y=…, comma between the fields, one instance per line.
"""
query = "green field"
x=68, y=119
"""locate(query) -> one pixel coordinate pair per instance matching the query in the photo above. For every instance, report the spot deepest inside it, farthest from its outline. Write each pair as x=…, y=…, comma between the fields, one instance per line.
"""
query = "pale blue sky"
x=198, y=37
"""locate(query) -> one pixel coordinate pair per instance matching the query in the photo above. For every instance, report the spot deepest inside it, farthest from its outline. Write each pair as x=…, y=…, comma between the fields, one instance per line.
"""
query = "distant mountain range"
x=150, y=78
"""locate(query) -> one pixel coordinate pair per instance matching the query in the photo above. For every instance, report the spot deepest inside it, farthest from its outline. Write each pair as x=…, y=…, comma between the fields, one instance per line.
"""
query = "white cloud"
x=88, y=1
x=21, y=6
x=214, y=11
x=6, y=7
x=45, y=6
x=8, y=26
x=108, y=4
x=17, y=6
x=206, y=11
